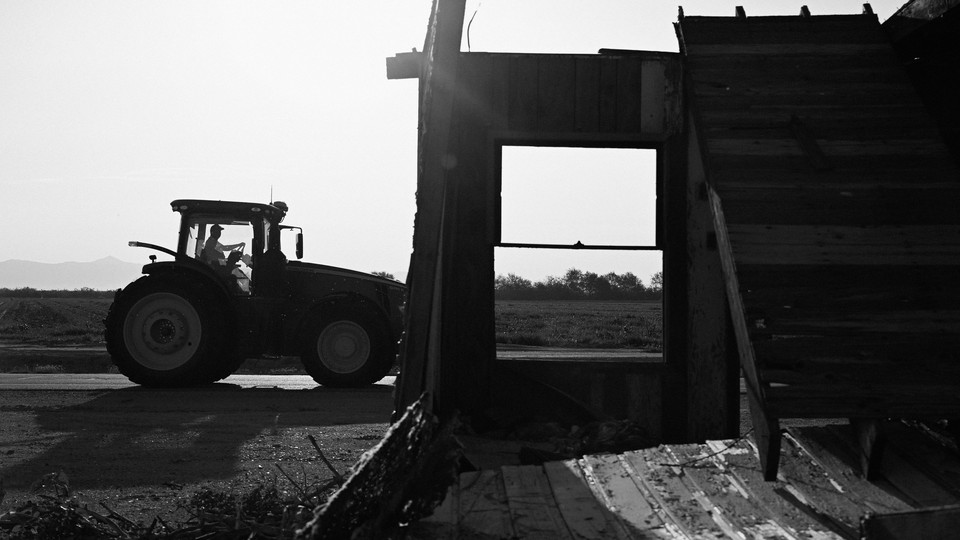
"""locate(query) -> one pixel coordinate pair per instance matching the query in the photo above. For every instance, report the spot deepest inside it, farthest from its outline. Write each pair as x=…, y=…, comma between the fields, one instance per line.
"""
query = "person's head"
x=216, y=230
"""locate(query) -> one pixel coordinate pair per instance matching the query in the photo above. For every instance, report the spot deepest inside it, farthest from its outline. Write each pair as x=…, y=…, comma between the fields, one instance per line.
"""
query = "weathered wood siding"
x=608, y=100
x=840, y=201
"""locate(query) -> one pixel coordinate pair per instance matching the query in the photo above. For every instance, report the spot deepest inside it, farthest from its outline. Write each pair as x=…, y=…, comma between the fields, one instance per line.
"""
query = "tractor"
x=230, y=294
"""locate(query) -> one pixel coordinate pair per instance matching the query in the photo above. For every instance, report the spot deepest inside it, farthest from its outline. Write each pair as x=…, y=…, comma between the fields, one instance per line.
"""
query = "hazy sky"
x=110, y=109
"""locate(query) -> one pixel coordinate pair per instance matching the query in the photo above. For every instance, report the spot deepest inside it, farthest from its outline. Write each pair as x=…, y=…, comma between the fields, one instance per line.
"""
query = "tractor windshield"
x=225, y=245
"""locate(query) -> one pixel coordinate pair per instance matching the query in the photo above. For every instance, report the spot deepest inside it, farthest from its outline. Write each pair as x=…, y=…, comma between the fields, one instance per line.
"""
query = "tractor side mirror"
x=299, y=245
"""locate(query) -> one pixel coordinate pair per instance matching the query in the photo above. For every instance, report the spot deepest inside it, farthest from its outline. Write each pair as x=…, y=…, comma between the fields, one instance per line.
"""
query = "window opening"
x=578, y=269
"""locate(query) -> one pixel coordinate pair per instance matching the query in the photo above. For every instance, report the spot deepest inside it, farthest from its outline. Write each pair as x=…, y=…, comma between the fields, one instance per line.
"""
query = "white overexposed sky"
x=110, y=109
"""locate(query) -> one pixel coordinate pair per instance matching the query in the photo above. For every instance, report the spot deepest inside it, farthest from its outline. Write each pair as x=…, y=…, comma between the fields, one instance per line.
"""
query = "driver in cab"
x=213, y=250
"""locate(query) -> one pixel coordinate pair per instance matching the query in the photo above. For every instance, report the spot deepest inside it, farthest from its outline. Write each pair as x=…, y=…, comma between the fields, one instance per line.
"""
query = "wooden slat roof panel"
x=839, y=29
x=752, y=77
x=835, y=203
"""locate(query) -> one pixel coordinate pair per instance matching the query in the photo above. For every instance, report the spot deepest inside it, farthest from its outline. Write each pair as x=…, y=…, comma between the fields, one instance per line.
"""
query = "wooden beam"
x=937, y=522
x=766, y=427
x=419, y=351
x=870, y=445
x=404, y=65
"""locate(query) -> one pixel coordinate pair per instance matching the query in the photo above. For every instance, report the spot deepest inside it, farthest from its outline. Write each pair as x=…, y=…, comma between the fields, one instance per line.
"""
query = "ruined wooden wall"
x=837, y=199
x=606, y=100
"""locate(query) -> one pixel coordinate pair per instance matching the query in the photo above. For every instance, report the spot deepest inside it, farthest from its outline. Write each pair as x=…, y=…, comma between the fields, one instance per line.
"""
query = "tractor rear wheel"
x=348, y=348
x=163, y=332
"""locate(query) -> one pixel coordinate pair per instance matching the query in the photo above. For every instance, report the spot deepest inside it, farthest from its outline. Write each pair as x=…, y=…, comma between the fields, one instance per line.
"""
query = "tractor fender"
x=188, y=269
x=197, y=274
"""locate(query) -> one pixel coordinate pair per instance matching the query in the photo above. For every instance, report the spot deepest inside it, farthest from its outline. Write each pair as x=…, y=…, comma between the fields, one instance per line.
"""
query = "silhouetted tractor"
x=230, y=294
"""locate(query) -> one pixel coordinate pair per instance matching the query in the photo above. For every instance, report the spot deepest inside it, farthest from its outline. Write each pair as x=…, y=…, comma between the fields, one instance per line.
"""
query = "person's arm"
x=230, y=246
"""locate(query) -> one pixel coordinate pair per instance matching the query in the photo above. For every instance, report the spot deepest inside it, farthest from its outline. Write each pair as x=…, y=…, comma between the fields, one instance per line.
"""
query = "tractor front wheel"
x=163, y=333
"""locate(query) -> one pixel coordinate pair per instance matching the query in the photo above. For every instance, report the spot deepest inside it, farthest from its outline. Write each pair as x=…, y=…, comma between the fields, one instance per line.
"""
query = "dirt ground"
x=144, y=452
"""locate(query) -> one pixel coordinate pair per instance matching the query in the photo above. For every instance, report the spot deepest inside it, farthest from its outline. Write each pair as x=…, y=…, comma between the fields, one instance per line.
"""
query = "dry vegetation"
x=581, y=324
x=52, y=321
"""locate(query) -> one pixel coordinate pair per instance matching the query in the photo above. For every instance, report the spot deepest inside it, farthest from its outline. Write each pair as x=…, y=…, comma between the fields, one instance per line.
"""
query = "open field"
x=52, y=322
x=59, y=322
x=581, y=324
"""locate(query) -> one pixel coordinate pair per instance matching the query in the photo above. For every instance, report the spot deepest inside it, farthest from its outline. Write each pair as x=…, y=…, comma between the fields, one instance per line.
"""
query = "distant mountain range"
x=103, y=274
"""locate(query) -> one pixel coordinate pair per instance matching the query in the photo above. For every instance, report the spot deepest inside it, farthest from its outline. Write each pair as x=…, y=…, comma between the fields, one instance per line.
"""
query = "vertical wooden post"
x=419, y=351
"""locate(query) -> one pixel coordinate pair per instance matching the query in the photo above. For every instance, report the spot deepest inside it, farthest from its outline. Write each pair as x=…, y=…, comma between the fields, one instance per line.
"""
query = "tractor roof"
x=239, y=209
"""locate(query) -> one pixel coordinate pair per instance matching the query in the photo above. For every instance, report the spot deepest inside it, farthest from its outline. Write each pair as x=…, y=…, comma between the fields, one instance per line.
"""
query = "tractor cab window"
x=226, y=246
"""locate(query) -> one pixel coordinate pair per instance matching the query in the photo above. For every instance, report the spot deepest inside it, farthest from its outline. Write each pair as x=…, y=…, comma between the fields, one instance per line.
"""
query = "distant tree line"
x=29, y=292
x=579, y=285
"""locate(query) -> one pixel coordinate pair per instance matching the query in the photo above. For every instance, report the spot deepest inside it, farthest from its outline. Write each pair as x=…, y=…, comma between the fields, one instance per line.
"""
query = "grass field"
x=574, y=324
x=581, y=324
x=52, y=321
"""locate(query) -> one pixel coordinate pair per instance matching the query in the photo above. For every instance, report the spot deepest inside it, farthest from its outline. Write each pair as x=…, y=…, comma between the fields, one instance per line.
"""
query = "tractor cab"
x=240, y=242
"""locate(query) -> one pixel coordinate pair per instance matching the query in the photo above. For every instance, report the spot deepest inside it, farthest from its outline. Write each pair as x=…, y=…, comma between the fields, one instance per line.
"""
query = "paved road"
x=99, y=381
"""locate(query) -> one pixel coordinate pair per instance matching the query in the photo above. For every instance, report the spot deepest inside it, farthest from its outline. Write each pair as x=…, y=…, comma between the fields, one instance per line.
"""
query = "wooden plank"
x=812, y=245
x=739, y=459
x=848, y=401
x=678, y=506
x=608, y=94
x=925, y=523
x=713, y=408
x=733, y=521
x=629, y=94
x=621, y=496
x=782, y=29
x=787, y=49
x=556, y=87
x=913, y=481
x=784, y=102
x=796, y=89
x=824, y=116
x=645, y=402
x=839, y=148
x=912, y=442
x=895, y=123
x=863, y=169
x=812, y=68
x=766, y=427
x=723, y=494
x=712, y=74
x=653, y=86
x=498, y=100
x=532, y=507
x=902, y=323
x=849, y=288
x=587, y=113
x=837, y=457
x=848, y=205
x=861, y=378
x=815, y=487
x=523, y=94
x=483, y=505
x=584, y=516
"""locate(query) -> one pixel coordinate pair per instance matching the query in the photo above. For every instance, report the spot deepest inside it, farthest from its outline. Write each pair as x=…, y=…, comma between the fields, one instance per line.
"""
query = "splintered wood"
x=712, y=490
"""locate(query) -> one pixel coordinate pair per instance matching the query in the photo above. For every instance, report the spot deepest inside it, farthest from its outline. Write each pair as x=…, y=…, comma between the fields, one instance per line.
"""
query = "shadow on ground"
x=138, y=436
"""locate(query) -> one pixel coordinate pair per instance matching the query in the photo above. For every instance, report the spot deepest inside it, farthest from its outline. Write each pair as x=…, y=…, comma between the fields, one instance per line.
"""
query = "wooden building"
x=807, y=216
x=807, y=207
